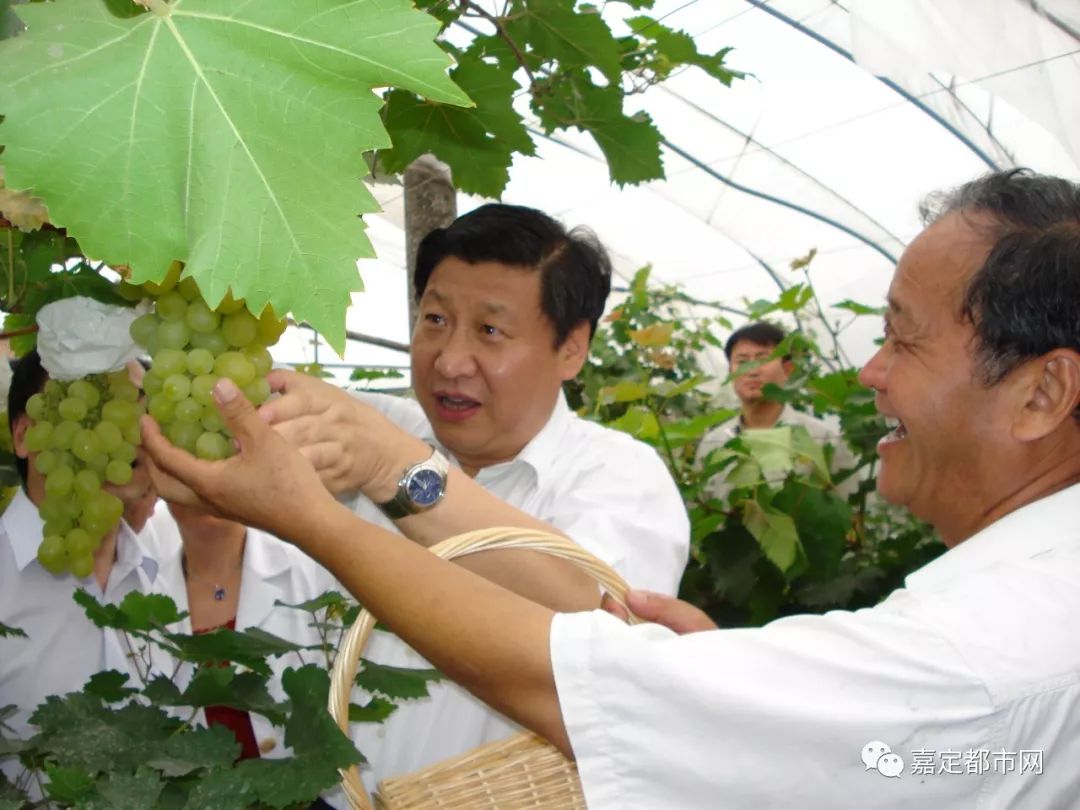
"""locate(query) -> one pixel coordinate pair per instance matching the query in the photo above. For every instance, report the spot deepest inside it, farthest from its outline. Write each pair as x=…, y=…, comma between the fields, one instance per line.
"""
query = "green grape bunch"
x=84, y=434
x=193, y=346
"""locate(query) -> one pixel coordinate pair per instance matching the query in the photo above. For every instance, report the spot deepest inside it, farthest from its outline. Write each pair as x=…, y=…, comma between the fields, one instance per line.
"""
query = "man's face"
x=940, y=461
x=753, y=370
x=485, y=367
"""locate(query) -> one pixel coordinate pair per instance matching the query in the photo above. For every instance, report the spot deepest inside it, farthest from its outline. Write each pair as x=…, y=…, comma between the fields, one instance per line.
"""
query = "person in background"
x=751, y=352
x=226, y=575
x=508, y=303
x=960, y=690
x=64, y=648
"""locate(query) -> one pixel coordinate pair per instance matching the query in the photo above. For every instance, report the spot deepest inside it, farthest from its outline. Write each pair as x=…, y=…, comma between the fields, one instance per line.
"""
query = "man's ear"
x=18, y=435
x=788, y=366
x=574, y=350
x=1051, y=394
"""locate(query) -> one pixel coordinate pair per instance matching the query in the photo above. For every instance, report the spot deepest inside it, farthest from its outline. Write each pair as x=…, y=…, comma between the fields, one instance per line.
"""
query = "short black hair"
x=762, y=333
x=28, y=377
x=1024, y=301
x=575, y=268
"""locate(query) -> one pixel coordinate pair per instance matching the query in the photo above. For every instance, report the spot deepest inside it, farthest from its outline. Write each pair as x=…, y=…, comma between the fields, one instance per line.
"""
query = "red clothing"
x=237, y=721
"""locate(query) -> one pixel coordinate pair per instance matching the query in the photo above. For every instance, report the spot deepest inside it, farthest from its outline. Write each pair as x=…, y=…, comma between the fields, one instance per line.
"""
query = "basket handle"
x=352, y=645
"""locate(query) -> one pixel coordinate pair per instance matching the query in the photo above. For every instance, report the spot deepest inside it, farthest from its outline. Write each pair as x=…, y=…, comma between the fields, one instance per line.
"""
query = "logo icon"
x=878, y=756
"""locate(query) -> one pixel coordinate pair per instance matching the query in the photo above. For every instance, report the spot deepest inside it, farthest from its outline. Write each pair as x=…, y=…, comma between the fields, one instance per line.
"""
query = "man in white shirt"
x=508, y=303
x=961, y=690
x=750, y=354
x=63, y=648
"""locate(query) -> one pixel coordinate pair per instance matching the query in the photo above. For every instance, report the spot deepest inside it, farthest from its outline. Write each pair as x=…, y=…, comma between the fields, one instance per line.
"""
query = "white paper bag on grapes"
x=79, y=336
x=85, y=427
x=191, y=348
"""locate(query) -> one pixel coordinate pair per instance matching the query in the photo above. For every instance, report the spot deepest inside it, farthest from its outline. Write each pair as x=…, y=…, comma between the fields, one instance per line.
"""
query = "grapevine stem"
x=11, y=268
x=22, y=330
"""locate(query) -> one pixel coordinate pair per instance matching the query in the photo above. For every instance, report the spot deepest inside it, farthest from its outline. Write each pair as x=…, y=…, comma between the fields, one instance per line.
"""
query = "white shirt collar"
x=544, y=448
x=264, y=559
x=24, y=525
x=1029, y=531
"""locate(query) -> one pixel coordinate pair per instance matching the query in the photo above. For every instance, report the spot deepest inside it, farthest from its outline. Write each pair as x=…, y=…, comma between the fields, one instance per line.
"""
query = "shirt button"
x=267, y=745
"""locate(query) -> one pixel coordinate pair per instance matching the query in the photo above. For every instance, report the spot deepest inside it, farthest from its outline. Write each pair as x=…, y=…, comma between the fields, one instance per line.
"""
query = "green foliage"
x=575, y=71
x=368, y=375
x=396, y=683
x=233, y=137
x=118, y=744
x=6, y=631
x=795, y=531
x=483, y=138
x=147, y=136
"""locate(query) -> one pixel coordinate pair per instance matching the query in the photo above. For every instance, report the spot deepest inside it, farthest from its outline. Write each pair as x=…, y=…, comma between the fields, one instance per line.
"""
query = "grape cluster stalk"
x=84, y=435
x=193, y=346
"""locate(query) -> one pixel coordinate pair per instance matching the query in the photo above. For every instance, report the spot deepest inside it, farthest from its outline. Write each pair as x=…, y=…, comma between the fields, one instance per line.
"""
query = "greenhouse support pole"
x=430, y=203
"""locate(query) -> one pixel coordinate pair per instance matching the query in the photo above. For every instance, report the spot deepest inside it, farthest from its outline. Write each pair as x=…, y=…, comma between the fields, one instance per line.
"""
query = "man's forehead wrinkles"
x=433, y=292
x=489, y=306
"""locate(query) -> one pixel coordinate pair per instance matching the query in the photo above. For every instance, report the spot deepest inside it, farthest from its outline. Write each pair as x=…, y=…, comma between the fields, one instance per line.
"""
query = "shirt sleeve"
x=626, y=509
x=772, y=717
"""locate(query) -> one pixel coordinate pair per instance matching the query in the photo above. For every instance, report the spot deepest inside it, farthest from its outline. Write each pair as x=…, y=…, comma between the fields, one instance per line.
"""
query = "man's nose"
x=455, y=357
x=872, y=374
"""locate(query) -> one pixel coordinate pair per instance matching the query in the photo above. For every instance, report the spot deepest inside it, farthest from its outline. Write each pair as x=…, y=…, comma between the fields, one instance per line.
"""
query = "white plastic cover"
x=80, y=336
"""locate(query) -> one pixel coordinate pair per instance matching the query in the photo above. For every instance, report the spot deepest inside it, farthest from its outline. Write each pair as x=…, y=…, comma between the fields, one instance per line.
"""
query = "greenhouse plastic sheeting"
x=853, y=112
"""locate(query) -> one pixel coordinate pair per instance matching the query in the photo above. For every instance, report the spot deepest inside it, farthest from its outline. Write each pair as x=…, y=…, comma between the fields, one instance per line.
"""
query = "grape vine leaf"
x=126, y=791
x=228, y=136
x=136, y=611
x=630, y=143
x=823, y=520
x=319, y=747
x=478, y=143
x=82, y=732
x=326, y=599
x=310, y=729
x=248, y=648
x=396, y=683
x=109, y=685
x=677, y=48
x=777, y=535
x=24, y=211
x=200, y=748
x=68, y=785
x=376, y=710
x=224, y=686
x=223, y=789
x=577, y=38
x=7, y=631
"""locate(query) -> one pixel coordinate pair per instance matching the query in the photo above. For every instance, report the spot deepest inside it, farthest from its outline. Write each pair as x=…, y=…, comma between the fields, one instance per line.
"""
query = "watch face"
x=425, y=487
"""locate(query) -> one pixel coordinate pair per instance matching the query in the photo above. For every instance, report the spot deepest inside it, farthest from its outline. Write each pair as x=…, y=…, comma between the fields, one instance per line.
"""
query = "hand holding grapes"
x=350, y=444
x=267, y=483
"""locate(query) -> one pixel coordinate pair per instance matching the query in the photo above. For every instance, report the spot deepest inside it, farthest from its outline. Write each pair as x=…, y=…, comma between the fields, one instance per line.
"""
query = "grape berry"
x=84, y=435
x=192, y=347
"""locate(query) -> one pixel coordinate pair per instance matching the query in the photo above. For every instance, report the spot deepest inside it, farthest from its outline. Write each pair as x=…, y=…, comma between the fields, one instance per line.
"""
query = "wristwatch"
x=421, y=487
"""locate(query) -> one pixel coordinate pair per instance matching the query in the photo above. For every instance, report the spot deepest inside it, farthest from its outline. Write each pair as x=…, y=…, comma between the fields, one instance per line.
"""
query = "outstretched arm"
x=490, y=640
x=354, y=447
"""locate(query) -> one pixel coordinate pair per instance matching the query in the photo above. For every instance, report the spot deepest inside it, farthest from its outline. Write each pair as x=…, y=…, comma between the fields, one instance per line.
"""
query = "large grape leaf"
x=577, y=37
x=227, y=135
x=777, y=536
x=630, y=143
x=477, y=143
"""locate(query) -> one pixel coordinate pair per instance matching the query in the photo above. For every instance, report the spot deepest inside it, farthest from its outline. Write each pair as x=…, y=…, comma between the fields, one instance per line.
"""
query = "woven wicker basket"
x=521, y=772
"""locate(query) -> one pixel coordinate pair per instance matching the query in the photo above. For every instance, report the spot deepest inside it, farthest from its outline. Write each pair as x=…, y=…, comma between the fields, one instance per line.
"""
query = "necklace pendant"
x=219, y=593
